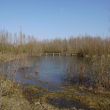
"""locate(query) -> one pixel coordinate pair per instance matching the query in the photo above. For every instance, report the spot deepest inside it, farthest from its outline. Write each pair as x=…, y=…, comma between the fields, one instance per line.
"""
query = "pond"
x=50, y=72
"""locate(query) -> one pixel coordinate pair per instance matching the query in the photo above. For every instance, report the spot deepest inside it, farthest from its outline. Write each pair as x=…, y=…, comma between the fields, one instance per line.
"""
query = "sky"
x=49, y=19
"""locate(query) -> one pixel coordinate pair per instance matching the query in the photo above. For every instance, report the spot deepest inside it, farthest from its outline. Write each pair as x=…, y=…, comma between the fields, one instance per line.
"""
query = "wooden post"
x=53, y=54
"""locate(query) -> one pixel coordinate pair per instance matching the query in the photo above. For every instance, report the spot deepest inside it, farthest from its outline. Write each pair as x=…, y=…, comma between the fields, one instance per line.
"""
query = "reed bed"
x=83, y=46
x=95, y=49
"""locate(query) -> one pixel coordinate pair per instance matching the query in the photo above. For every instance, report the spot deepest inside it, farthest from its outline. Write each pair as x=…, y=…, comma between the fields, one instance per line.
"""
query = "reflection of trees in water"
x=10, y=69
x=22, y=67
x=25, y=62
x=95, y=73
x=28, y=73
x=77, y=72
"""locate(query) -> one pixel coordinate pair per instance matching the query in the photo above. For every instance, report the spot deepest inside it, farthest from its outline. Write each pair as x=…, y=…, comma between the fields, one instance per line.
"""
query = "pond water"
x=49, y=72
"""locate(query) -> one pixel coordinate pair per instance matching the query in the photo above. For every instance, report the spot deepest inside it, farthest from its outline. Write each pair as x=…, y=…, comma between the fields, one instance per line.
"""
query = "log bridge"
x=58, y=54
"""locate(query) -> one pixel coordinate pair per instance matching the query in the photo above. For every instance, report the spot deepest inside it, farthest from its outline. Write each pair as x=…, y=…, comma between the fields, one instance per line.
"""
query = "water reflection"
x=49, y=72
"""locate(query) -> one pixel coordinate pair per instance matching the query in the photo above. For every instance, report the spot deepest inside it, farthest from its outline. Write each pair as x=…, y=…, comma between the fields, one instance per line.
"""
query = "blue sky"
x=56, y=18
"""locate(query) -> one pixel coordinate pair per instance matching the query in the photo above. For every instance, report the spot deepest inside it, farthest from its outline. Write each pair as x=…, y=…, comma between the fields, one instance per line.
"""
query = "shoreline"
x=73, y=97
x=41, y=99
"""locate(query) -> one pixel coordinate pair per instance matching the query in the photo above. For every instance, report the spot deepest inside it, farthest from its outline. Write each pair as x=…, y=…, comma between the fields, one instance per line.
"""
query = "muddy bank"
x=14, y=96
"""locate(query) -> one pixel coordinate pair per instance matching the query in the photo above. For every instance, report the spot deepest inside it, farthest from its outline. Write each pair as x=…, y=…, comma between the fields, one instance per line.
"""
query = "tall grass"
x=82, y=46
x=101, y=71
x=96, y=48
x=92, y=73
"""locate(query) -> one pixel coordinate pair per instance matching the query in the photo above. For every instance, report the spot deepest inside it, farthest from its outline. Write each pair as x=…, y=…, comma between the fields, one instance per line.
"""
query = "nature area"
x=68, y=74
x=54, y=54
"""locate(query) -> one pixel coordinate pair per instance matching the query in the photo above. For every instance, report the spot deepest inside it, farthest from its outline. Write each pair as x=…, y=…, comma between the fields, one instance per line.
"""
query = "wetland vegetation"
x=30, y=80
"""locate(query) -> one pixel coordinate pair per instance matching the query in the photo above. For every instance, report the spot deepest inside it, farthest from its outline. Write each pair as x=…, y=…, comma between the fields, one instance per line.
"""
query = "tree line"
x=81, y=45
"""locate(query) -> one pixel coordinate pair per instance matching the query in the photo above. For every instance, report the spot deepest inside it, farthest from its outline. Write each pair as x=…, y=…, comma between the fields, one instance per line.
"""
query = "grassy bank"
x=16, y=97
x=9, y=56
x=11, y=97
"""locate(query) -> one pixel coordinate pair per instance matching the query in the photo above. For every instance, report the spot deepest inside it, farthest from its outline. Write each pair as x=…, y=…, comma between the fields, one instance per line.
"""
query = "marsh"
x=50, y=72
